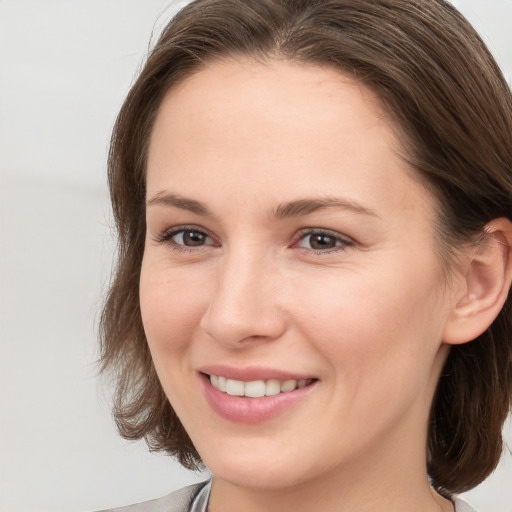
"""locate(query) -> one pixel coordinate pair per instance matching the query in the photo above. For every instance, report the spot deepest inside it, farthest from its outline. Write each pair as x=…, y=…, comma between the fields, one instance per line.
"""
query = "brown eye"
x=190, y=238
x=319, y=242
x=324, y=241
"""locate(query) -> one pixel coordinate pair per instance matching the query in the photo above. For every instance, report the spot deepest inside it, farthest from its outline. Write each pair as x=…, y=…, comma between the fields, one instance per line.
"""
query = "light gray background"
x=65, y=66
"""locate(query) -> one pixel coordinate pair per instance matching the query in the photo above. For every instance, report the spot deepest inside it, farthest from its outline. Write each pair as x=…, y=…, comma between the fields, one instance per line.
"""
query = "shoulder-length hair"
x=445, y=91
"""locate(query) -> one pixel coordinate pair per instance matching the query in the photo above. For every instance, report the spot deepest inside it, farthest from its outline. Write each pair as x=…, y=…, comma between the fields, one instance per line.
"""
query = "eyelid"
x=166, y=235
x=345, y=240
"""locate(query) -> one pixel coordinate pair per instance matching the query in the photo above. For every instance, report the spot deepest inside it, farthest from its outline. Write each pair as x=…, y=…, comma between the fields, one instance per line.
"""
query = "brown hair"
x=442, y=86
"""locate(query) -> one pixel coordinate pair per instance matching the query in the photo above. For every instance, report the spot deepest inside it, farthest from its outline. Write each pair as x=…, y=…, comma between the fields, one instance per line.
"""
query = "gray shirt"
x=194, y=498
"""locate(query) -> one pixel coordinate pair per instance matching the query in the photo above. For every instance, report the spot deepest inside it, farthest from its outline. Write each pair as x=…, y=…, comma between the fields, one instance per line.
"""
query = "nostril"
x=242, y=327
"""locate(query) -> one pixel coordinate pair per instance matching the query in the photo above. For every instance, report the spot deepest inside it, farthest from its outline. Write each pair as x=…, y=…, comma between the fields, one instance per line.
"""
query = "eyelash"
x=342, y=242
x=167, y=236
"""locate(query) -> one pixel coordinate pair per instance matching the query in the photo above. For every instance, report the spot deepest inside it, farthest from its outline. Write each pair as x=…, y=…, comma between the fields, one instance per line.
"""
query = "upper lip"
x=251, y=373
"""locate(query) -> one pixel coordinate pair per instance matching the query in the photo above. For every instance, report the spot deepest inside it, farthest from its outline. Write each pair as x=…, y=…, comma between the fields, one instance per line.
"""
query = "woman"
x=314, y=204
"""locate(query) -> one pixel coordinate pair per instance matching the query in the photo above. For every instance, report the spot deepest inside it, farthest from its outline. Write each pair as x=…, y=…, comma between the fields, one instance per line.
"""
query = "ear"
x=486, y=276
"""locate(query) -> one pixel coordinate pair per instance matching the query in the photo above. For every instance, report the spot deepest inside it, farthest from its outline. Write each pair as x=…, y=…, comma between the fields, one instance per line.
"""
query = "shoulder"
x=462, y=506
x=177, y=501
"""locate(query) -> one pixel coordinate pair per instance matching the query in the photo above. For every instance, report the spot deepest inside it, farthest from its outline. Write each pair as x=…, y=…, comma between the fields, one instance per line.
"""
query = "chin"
x=265, y=479
x=265, y=472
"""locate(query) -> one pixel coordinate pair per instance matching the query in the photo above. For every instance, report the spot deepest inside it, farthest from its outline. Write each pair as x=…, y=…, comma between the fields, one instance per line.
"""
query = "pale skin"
x=285, y=232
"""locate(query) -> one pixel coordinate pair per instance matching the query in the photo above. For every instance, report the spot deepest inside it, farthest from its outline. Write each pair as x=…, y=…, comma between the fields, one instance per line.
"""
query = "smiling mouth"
x=257, y=388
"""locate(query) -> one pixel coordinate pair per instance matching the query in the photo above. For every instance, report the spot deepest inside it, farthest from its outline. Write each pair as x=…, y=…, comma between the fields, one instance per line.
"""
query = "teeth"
x=272, y=387
x=222, y=384
x=256, y=388
x=235, y=387
x=288, y=385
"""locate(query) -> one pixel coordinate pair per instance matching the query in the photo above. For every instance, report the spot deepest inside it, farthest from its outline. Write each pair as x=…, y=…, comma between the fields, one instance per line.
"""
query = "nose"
x=244, y=302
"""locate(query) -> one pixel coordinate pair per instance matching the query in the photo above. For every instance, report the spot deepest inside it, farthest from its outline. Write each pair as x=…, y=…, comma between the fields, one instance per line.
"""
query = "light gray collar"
x=200, y=503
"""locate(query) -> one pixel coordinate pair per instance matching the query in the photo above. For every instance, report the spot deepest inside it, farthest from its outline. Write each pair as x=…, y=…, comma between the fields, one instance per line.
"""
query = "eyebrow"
x=307, y=206
x=183, y=203
x=297, y=208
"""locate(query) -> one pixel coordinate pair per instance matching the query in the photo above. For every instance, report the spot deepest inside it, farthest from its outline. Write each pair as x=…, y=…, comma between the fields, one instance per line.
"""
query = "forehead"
x=275, y=88
x=277, y=98
x=275, y=126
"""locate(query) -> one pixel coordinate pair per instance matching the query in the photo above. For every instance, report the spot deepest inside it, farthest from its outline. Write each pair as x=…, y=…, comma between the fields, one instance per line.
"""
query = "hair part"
x=444, y=90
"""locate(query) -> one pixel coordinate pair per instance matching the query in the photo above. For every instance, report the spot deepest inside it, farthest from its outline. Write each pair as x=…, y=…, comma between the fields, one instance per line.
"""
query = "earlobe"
x=486, y=283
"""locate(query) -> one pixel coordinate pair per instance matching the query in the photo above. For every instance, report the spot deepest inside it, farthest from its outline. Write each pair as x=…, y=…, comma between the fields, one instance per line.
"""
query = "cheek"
x=361, y=321
x=171, y=308
x=380, y=345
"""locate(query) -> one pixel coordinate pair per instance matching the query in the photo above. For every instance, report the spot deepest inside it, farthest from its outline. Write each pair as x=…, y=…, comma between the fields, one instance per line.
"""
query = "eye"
x=323, y=241
x=185, y=237
x=190, y=238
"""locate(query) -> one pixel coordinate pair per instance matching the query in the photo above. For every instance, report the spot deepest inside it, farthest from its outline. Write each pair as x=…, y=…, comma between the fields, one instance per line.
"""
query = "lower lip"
x=252, y=410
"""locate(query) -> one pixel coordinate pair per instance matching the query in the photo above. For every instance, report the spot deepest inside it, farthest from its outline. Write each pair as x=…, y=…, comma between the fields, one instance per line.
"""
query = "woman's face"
x=288, y=246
